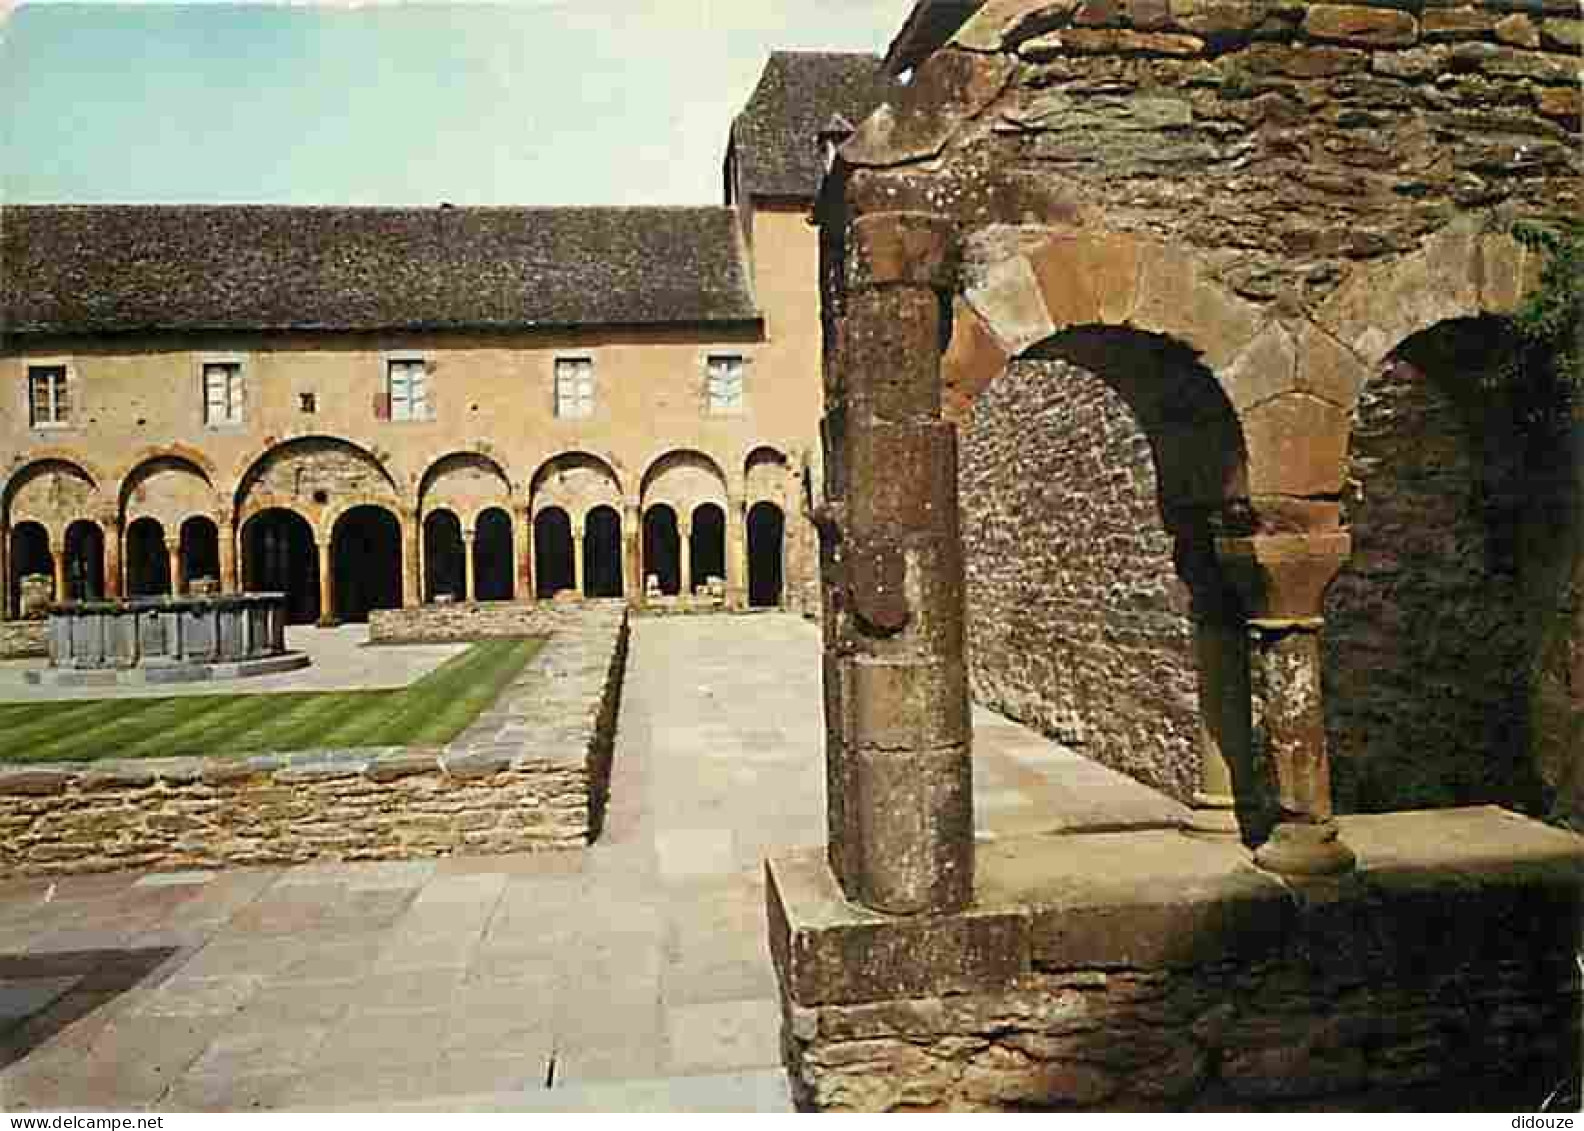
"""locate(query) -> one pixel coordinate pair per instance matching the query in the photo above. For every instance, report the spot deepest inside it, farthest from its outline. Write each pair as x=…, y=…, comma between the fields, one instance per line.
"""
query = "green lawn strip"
x=431, y=711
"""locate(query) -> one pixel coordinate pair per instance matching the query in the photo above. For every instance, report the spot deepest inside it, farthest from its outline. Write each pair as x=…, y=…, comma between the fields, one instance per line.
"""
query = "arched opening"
x=366, y=563
x=662, y=549
x=279, y=556
x=84, y=561
x=445, y=568
x=553, y=560
x=766, y=571
x=200, y=551
x=492, y=556
x=1092, y=470
x=1465, y=524
x=602, y=553
x=30, y=556
x=707, y=545
x=147, y=560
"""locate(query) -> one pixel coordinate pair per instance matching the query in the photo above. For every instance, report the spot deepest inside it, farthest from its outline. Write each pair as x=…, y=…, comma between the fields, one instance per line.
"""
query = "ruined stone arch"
x=684, y=479
x=314, y=475
x=169, y=486
x=52, y=490
x=576, y=482
x=467, y=482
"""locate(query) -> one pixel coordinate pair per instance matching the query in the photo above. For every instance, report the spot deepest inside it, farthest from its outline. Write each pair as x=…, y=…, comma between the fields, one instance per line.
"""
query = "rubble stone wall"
x=532, y=773
x=1077, y=622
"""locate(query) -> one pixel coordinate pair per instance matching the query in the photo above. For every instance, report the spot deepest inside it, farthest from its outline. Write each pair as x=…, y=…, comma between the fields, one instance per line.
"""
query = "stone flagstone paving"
x=632, y=977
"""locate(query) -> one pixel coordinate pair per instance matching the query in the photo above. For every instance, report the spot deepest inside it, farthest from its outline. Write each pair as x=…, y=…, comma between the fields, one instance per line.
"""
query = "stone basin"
x=167, y=640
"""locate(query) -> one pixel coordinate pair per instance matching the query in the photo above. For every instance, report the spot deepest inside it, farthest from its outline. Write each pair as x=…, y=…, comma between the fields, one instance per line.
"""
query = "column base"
x=1213, y=816
x=1296, y=849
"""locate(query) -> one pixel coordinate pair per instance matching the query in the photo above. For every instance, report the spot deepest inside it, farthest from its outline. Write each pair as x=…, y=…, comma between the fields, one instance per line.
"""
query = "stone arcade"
x=1234, y=215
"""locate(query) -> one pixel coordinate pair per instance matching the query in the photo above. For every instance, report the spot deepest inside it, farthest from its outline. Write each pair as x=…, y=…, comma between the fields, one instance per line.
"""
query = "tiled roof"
x=775, y=137
x=116, y=268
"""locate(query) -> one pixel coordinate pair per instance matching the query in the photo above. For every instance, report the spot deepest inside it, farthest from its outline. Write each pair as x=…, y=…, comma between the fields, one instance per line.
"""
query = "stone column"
x=579, y=564
x=58, y=561
x=228, y=557
x=736, y=554
x=412, y=566
x=178, y=580
x=6, y=612
x=469, y=569
x=685, y=548
x=896, y=688
x=326, y=586
x=632, y=555
x=525, y=559
x=1282, y=579
x=1221, y=805
x=114, y=581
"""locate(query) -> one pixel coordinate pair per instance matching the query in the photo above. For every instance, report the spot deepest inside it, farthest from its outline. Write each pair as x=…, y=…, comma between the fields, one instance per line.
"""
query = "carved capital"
x=1282, y=578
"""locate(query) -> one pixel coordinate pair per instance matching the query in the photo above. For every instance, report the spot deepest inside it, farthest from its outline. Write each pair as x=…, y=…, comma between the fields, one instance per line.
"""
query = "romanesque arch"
x=466, y=483
x=765, y=473
x=168, y=487
x=52, y=491
x=684, y=479
x=314, y=475
x=576, y=482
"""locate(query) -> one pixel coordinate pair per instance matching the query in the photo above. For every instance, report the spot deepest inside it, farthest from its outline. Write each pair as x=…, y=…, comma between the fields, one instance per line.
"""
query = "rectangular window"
x=49, y=396
x=725, y=383
x=408, y=386
x=222, y=381
x=574, y=387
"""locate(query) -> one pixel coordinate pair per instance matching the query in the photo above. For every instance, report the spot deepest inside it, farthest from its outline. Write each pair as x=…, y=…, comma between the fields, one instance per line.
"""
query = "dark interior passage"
x=661, y=549
x=200, y=550
x=444, y=565
x=29, y=555
x=279, y=556
x=492, y=557
x=366, y=563
x=766, y=571
x=553, y=552
x=147, y=561
x=602, y=553
x=708, y=544
x=84, y=561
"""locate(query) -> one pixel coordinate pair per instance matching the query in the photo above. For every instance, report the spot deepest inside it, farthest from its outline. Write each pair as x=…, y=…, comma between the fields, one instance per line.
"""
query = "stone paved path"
x=632, y=976
x=341, y=662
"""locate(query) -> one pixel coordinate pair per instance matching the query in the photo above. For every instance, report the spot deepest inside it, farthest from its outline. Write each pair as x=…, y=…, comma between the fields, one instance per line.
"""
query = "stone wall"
x=1148, y=971
x=23, y=639
x=1077, y=623
x=465, y=621
x=531, y=773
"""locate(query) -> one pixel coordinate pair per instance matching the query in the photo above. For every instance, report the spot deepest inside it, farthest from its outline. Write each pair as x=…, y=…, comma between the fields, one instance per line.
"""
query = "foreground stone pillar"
x=632, y=556
x=326, y=586
x=178, y=580
x=115, y=585
x=897, y=719
x=228, y=559
x=736, y=555
x=525, y=561
x=1282, y=579
x=412, y=567
x=469, y=569
x=685, y=553
x=1225, y=804
x=58, y=562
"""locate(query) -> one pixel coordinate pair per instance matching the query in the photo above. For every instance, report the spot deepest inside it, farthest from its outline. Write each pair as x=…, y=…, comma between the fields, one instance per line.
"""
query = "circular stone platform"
x=155, y=673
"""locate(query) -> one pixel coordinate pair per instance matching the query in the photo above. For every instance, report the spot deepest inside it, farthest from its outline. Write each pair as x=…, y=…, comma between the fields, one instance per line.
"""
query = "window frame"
x=57, y=419
x=585, y=399
x=738, y=406
x=231, y=420
x=389, y=363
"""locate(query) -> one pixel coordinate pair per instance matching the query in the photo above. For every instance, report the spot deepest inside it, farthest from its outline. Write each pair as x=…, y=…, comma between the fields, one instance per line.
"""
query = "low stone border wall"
x=478, y=621
x=1151, y=971
x=532, y=772
x=24, y=639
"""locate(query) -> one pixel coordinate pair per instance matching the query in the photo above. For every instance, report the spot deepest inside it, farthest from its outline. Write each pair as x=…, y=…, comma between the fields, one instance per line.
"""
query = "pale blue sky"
x=530, y=102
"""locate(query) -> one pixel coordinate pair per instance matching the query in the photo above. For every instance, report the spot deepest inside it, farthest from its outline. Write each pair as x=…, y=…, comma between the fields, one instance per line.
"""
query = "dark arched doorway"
x=766, y=573
x=492, y=556
x=200, y=551
x=30, y=554
x=84, y=561
x=147, y=560
x=553, y=552
x=365, y=551
x=602, y=553
x=279, y=556
x=708, y=544
x=662, y=550
x=444, y=565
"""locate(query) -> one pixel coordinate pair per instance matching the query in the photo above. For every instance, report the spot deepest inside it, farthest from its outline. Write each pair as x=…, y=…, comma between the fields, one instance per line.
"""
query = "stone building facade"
x=379, y=408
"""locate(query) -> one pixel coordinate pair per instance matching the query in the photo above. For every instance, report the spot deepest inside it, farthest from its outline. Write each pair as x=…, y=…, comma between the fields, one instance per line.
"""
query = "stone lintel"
x=1479, y=881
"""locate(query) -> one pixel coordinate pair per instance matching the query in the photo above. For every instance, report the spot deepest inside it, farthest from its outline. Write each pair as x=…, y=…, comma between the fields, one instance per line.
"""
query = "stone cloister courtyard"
x=632, y=975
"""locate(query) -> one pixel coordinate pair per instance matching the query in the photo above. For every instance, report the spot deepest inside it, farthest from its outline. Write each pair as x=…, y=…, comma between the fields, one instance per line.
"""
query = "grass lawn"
x=431, y=711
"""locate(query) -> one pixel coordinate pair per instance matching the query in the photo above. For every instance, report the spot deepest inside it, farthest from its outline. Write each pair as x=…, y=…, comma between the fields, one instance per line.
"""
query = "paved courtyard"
x=632, y=976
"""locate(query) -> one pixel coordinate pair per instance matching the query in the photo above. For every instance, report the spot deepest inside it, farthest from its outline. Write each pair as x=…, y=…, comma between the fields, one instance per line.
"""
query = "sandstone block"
x=1361, y=26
